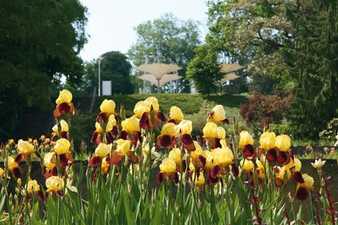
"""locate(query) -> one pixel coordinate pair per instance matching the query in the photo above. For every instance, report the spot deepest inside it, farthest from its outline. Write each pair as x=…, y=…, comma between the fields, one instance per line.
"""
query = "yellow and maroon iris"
x=304, y=187
x=246, y=142
x=217, y=114
x=168, y=134
x=64, y=104
x=55, y=184
x=175, y=115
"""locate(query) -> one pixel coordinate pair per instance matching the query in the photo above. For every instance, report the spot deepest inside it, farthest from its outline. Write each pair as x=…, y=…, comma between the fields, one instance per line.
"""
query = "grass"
x=189, y=103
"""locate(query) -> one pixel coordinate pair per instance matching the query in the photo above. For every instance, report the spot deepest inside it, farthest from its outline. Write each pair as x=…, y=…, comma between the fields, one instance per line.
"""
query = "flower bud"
x=140, y=108
x=184, y=127
x=176, y=114
x=283, y=142
x=108, y=106
x=267, y=140
x=210, y=130
x=217, y=113
x=65, y=96
x=102, y=150
x=62, y=146
x=169, y=129
x=33, y=186
x=54, y=184
x=168, y=166
x=176, y=155
x=247, y=165
x=25, y=147
x=123, y=146
x=131, y=125
x=245, y=139
x=153, y=102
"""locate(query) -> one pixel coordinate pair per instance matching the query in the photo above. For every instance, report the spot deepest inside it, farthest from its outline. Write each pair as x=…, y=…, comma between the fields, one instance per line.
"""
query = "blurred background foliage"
x=289, y=51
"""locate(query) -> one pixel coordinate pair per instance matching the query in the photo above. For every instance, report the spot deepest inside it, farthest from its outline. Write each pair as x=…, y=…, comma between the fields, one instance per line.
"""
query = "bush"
x=330, y=134
x=262, y=110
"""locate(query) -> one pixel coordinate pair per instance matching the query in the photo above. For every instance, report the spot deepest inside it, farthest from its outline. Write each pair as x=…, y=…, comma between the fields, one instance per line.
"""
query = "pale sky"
x=111, y=22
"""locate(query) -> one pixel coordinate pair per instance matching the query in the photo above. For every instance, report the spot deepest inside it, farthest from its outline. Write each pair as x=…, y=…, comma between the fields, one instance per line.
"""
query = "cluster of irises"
x=54, y=153
x=148, y=138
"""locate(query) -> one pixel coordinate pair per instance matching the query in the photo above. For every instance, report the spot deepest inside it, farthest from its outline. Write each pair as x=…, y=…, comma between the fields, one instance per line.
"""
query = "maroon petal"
x=187, y=139
x=249, y=152
x=218, y=143
x=226, y=121
x=133, y=158
x=135, y=138
x=102, y=117
x=20, y=157
x=64, y=160
x=235, y=170
x=145, y=121
x=175, y=177
x=64, y=134
x=124, y=135
x=203, y=160
x=94, y=161
x=64, y=108
x=212, y=175
x=165, y=140
x=16, y=172
x=214, y=171
x=48, y=173
x=110, y=137
x=116, y=158
x=96, y=138
x=161, y=116
x=271, y=155
x=172, y=121
x=302, y=193
x=297, y=176
x=283, y=157
x=159, y=178
x=41, y=196
x=115, y=131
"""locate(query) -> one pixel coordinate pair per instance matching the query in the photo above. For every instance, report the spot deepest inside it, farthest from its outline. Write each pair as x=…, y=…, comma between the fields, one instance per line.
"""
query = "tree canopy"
x=203, y=69
x=39, y=44
x=166, y=40
x=293, y=43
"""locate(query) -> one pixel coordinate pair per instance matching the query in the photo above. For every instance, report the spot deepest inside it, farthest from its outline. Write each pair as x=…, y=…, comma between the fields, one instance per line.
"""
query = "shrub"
x=261, y=110
x=331, y=132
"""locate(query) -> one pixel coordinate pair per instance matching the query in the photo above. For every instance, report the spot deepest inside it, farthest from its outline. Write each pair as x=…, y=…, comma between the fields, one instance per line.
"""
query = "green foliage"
x=292, y=44
x=331, y=132
x=39, y=43
x=127, y=198
x=166, y=40
x=204, y=70
x=187, y=102
x=115, y=67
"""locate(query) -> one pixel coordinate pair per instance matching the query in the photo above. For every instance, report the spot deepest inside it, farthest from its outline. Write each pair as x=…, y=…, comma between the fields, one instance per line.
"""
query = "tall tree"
x=166, y=40
x=39, y=44
x=114, y=67
x=292, y=42
x=203, y=69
